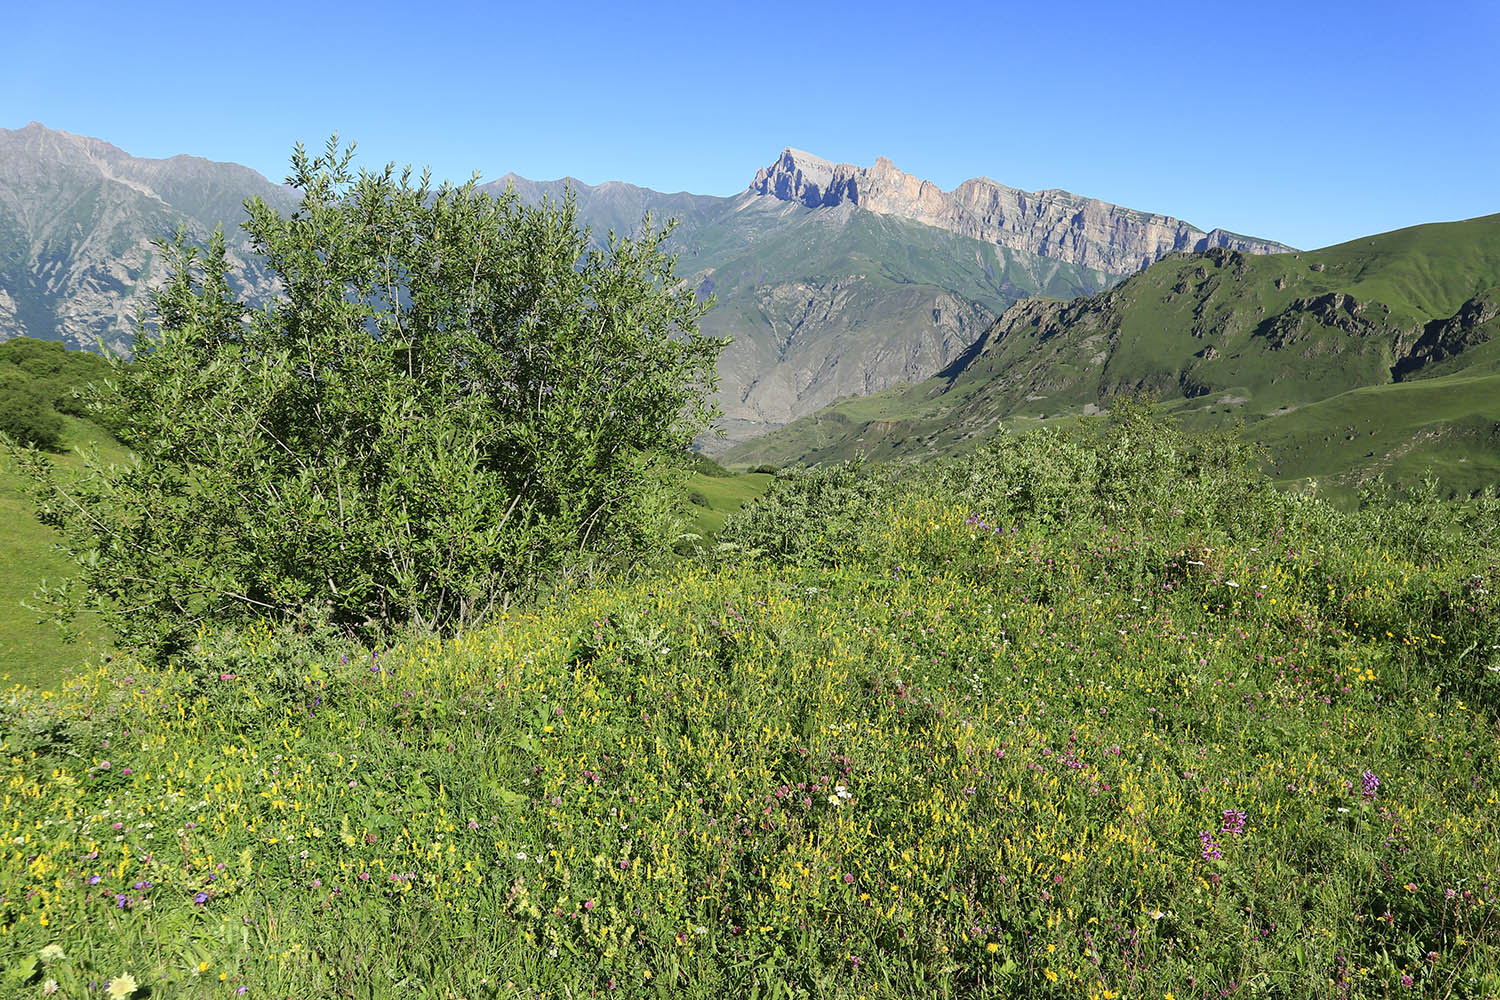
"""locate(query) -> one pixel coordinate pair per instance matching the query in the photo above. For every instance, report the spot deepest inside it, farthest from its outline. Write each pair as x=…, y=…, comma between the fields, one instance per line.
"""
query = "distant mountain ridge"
x=77, y=217
x=831, y=280
x=1049, y=223
x=835, y=280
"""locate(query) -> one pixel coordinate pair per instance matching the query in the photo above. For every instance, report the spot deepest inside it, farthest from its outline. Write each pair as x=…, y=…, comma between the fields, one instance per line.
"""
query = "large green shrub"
x=26, y=416
x=818, y=515
x=40, y=379
x=451, y=400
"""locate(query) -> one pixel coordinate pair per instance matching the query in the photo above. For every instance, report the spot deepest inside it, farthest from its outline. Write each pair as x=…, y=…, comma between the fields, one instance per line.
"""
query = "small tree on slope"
x=452, y=400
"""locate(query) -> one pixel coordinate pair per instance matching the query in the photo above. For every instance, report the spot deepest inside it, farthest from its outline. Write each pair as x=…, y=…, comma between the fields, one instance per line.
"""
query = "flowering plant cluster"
x=1049, y=761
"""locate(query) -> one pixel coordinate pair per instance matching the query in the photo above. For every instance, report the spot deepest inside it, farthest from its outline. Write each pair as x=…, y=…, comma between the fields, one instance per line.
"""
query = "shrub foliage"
x=39, y=380
x=452, y=399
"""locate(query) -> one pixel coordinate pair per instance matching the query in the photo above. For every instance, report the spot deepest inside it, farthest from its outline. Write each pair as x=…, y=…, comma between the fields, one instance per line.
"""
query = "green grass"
x=1054, y=760
x=1449, y=426
x=35, y=653
x=725, y=495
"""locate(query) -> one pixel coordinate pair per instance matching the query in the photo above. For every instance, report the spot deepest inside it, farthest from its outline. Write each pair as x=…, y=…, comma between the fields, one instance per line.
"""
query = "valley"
x=1309, y=351
x=1062, y=601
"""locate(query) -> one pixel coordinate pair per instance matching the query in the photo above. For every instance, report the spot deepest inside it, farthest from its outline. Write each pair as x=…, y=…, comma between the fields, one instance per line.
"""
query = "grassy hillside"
x=954, y=740
x=1448, y=426
x=1224, y=337
x=39, y=382
x=720, y=497
x=31, y=652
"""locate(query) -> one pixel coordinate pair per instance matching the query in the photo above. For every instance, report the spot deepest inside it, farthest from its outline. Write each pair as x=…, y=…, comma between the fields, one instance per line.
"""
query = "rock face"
x=823, y=345
x=1476, y=321
x=77, y=219
x=1051, y=223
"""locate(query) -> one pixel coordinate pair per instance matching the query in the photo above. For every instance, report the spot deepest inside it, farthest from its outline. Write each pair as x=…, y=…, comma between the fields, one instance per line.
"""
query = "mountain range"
x=831, y=280
x=77, y=217
x=1376, y=356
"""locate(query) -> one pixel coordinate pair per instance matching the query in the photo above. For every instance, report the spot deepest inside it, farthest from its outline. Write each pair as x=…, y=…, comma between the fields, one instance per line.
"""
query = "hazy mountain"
x=831, y=280
x=77, y=217
x=1381, y=354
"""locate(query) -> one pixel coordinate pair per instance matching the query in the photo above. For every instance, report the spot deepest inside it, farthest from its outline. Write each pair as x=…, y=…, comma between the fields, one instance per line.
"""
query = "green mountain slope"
x=1397, y=330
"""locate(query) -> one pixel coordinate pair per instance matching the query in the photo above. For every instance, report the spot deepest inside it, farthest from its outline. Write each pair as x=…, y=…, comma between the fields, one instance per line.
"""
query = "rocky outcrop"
x=1050, y=223
x=1306, y=318
x=1474, y=324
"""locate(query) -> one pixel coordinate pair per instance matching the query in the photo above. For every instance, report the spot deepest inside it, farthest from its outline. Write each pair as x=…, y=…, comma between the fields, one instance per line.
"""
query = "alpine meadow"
x=540, y=590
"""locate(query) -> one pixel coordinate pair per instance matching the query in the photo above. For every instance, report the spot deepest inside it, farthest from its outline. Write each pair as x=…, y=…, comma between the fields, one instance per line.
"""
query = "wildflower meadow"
x=943, y=739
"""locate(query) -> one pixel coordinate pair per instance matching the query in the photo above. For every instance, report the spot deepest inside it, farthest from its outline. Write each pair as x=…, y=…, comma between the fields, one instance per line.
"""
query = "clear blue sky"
x=1309, y=122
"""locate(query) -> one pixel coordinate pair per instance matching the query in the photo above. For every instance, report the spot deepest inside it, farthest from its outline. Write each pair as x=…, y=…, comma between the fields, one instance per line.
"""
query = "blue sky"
x=1304, y=122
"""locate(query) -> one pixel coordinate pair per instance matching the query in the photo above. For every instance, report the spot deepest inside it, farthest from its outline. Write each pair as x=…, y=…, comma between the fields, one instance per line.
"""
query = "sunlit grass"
x=965, y=761
x=34, y=652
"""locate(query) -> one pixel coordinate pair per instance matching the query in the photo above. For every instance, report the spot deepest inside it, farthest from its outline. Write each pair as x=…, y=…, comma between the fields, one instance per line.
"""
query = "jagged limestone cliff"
x=1050, y=223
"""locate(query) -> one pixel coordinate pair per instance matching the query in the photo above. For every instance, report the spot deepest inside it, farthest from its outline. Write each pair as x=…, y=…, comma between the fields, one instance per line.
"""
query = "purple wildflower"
x=201, y=898
x=1234, y=821
x=1211, y=850
x=1369, y=784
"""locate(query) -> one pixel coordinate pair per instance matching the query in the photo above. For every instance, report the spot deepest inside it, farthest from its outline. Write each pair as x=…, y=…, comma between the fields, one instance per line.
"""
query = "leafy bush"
x=452, y=401
x=1133, y=468
x=27, y=418
x=705, y=466
x=64, y=380
x=820, y=515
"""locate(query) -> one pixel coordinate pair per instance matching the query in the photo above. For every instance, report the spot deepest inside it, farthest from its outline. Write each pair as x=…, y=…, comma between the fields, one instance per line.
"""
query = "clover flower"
x=1234, y=821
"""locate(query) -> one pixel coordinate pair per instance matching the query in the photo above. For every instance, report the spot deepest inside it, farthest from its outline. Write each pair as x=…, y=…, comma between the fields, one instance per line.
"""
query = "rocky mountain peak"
x=1051, y=223
x=802, y=177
